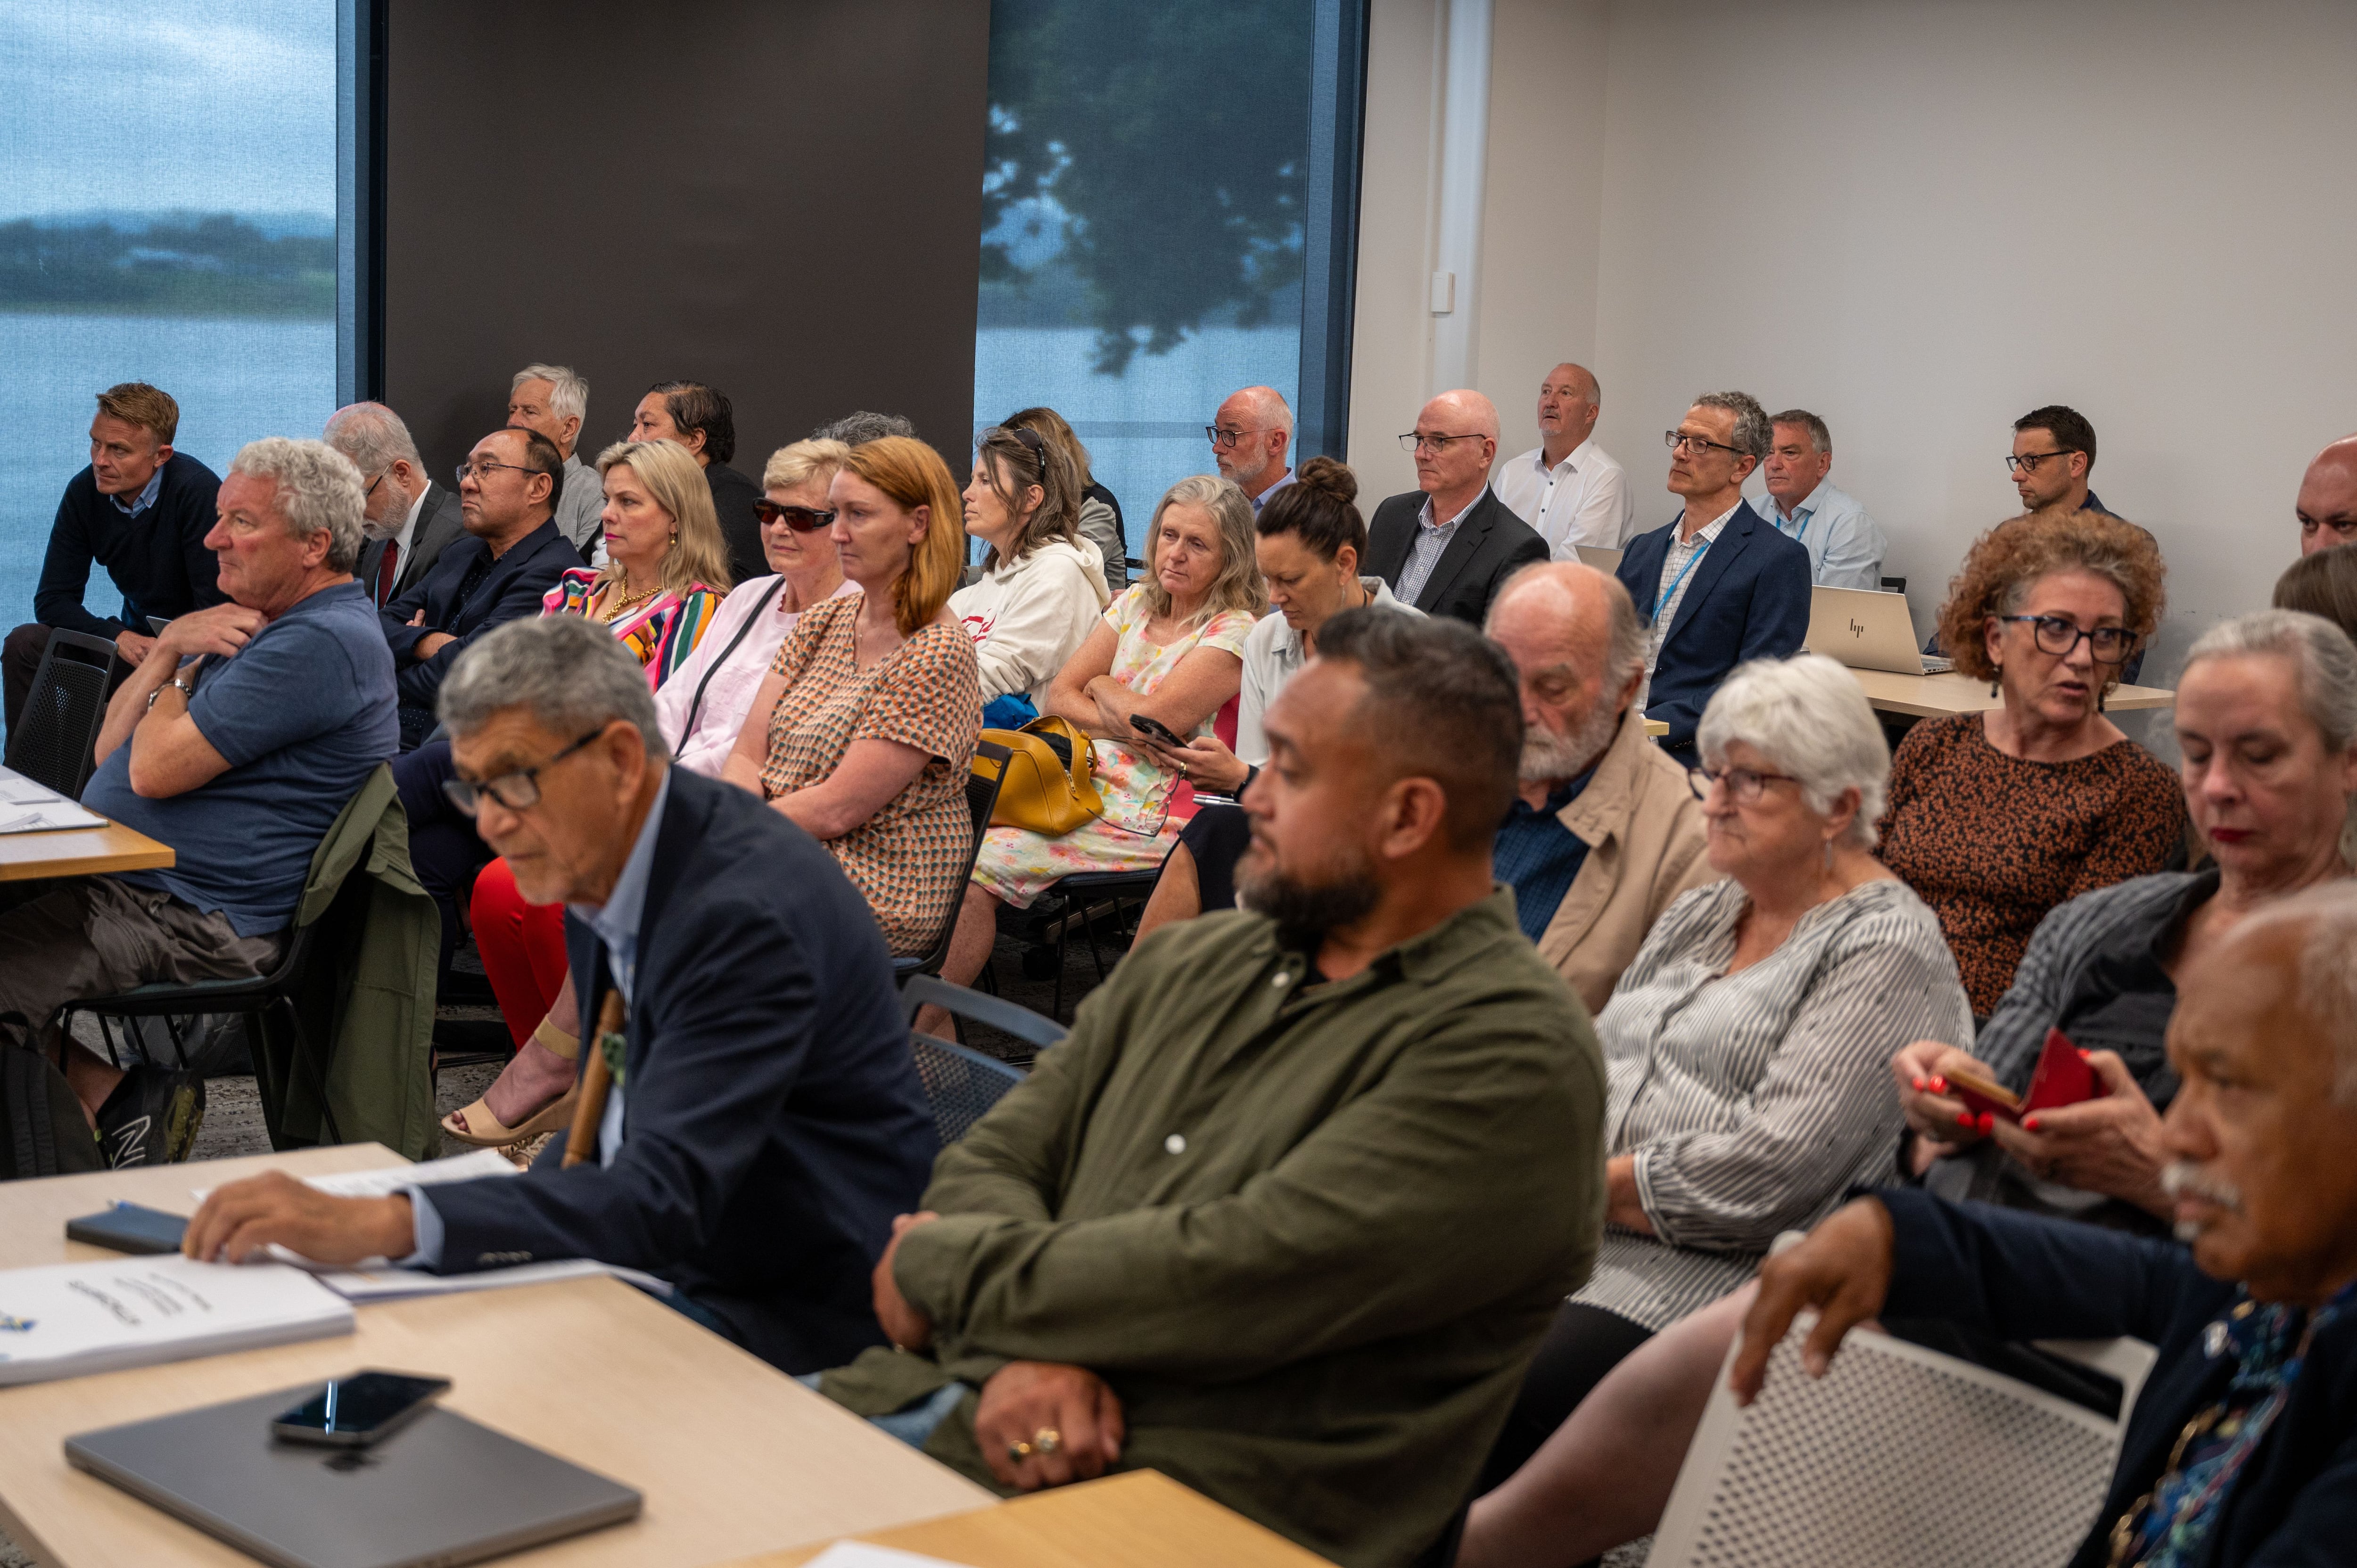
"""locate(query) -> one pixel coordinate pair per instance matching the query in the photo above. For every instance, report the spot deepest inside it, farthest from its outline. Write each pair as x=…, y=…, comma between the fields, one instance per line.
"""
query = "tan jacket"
x=1643, y=830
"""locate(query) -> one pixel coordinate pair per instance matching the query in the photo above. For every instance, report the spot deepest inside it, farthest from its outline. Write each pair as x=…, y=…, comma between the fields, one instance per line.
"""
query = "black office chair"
x=1894, y=584
x=1086, y=896
x=960, y=1084
x=55, y=742
x=981, y=800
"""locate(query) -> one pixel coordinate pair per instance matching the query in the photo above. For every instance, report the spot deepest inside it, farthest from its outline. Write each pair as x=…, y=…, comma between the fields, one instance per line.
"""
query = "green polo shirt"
x=1309, y=1234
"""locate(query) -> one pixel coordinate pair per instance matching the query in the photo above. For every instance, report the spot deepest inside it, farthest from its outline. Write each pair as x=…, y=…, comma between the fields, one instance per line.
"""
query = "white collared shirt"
x=1584, y=499
x=1273, y=655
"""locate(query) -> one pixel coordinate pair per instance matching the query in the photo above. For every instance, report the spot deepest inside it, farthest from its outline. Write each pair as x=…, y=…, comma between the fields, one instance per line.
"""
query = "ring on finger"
x=1018, y=1451
x=1046, y=1440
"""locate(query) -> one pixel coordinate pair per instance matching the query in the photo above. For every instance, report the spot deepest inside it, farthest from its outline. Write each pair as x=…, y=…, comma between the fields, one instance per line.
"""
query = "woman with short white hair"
x=1745, y=1047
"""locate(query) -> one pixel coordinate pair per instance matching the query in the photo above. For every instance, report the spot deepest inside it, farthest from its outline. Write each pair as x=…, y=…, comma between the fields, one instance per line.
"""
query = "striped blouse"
x=659, y=634
x=1754, y=1101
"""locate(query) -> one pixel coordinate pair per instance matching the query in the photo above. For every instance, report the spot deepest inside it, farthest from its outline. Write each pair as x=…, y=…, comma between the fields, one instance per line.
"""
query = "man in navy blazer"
x=1719, y=584
x=2241, y=1447
x=514, y=554
x=766, y=1121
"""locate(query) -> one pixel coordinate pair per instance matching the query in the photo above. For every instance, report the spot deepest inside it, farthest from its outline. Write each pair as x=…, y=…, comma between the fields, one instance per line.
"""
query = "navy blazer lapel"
x=1479, y=517
x=1715, y=562
x=1643, y=566
x=675, y=840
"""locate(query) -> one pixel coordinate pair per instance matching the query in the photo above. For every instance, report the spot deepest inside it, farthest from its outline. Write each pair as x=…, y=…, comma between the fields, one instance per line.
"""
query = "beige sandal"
x=552, y=1117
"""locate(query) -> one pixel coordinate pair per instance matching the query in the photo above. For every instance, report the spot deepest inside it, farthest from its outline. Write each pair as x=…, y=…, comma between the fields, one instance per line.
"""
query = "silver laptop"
x=1868, y=631
x=441, y=1490
x=1596, y=556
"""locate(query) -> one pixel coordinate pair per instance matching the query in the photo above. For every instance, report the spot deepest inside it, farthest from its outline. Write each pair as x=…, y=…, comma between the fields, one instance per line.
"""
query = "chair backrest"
x=920, y=991
x=55, y=742
x=960, y=1085
x=981, y=798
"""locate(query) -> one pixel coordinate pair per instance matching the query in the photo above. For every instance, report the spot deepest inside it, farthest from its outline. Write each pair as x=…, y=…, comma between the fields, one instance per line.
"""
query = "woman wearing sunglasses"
x=1042, y=585
x=1995, y=818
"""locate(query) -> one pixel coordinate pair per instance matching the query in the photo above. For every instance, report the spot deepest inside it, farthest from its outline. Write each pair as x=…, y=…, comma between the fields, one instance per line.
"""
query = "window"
x=1170, y=208
x=168, y=215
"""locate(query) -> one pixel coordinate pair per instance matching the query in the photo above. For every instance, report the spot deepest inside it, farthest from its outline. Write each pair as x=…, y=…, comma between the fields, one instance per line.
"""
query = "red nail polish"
x=1989, y=1122
x=1964, y=1118
x=1938, y=1084
x=1919, y=1085
x=2083, y=1056
x=2029, y=1123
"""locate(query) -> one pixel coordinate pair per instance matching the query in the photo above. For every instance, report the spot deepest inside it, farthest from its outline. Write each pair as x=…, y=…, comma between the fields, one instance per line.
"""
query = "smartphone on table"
x=360, y=1410
x=129, y=1228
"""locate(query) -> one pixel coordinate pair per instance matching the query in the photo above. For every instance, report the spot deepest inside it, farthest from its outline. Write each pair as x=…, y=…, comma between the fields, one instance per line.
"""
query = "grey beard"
x=386, y=528
x=1548, y=755
x=1305, y=913
x=2180, y=1178
x=1246, y=481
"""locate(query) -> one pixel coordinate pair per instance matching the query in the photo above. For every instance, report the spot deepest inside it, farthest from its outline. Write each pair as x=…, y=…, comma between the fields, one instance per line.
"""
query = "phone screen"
x=358, y=1408
x=1154, y=730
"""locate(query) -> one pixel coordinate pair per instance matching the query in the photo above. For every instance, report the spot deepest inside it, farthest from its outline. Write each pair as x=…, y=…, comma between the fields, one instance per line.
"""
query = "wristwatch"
x=185, y=688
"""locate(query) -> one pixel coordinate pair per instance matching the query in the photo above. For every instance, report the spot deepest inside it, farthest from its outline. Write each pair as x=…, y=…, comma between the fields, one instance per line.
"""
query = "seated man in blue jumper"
x=1720, y=585
x=141, y=510
x=765, y=1123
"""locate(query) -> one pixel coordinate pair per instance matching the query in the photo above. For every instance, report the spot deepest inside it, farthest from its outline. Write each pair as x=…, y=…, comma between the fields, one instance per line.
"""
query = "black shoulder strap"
x=696, y=703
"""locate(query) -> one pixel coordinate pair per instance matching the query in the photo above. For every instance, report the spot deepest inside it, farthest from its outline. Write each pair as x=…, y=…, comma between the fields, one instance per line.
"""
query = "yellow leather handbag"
x=1046, y=787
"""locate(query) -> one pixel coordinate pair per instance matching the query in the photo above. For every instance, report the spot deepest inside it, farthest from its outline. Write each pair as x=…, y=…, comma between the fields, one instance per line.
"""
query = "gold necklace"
x=615, y=611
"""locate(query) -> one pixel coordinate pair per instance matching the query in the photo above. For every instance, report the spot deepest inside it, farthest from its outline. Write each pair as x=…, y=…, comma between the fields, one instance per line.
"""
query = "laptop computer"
x=1596, y=556
x=1868, y=631
x=441, y=1490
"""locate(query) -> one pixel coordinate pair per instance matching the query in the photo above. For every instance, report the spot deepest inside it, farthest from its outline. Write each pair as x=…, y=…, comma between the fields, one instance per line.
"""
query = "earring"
x=1993, y=677
x=674, y=538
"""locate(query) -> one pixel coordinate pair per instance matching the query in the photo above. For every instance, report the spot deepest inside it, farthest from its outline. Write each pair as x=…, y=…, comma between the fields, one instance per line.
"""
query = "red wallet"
x=2062, y=1077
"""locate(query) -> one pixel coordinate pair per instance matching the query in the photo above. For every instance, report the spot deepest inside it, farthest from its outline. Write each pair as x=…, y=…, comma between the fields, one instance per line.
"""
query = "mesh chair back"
x=55, y=742
x=959, y=1084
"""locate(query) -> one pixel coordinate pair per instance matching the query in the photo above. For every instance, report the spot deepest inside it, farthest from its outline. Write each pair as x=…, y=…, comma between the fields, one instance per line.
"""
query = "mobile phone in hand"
x=1154, y=730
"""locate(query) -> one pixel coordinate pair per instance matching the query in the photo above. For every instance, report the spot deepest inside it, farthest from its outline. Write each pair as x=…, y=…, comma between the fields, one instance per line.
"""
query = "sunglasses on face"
x=800, y=518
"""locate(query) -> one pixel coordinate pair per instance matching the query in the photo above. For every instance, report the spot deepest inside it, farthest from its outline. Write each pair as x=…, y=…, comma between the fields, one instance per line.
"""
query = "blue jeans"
x=914, y=1425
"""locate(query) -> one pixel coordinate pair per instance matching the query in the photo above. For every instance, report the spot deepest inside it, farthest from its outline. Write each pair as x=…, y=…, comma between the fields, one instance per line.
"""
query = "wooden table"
x=1937, y=696
x=1141, y=1519
x=734, y=1457
x=80, y=851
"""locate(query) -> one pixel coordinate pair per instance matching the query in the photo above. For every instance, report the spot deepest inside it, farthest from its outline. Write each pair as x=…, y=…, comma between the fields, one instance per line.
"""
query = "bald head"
x=2328, y=498
x=1569, y=401
x=1249, y=434
x=1456, y=442
x=1579, y=650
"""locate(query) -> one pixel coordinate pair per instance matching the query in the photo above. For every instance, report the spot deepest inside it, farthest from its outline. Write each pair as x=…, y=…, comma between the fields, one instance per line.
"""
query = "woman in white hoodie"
x=1042, y=587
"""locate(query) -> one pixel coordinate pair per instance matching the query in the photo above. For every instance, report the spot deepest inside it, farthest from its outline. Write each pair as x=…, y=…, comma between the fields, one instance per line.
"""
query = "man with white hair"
x=408, y=518
x=1605, y=832
x=2241, y=1447
x=1447, y=545
x=555, y=400
x=237, y=742
x=1250, y=435
x=1569, y=489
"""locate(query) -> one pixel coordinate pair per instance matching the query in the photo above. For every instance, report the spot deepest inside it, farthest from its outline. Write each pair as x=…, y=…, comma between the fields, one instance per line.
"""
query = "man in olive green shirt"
x=1286, y=1215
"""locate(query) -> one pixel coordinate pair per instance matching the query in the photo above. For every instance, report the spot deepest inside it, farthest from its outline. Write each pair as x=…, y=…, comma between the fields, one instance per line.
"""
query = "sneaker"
x=151, y=1118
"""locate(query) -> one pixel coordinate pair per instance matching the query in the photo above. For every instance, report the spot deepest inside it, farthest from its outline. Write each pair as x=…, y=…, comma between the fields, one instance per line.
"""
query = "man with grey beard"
x=2241, y=1447
x=1605, y=832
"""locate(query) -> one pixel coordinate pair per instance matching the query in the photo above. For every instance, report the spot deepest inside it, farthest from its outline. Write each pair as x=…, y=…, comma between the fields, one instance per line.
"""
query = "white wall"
x=1921, y=219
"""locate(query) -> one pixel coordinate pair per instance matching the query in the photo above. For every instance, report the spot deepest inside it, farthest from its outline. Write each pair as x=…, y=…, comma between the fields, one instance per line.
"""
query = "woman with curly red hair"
x=1995, y=818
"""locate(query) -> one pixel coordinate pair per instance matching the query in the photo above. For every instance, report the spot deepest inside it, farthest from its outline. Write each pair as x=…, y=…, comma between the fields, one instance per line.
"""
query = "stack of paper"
x=29, y=808
x=69, y=1320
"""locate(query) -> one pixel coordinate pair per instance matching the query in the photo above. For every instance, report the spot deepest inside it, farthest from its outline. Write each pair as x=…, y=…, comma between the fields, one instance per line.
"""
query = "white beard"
x=1550, y=755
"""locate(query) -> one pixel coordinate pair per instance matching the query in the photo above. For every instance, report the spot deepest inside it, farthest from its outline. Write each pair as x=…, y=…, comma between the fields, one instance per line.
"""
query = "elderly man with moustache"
x=1250, y=436
x=2327, y=507
x=1445, y=546
x=555, y=400
x=766, y=1121
x=1567, y=488
x=1606, y=830
x=409, y=520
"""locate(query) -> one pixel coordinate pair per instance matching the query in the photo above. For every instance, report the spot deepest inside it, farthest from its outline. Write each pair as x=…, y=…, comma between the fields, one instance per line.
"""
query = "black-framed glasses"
x=2058, y=635
x=481, y=470
x=1417, y=440
x=800, y=518
x=1223, y=439
x=1744, y=786
x=518, y=791
x=1698, y=445
x=370, y=492
x=2026, y=463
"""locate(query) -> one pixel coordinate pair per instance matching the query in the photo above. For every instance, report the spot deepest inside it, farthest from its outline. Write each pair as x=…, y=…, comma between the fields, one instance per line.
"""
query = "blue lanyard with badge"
x=1669, y=595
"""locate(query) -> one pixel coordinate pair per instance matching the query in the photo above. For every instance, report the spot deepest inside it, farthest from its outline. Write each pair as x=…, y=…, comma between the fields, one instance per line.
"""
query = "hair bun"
x=1327, y=477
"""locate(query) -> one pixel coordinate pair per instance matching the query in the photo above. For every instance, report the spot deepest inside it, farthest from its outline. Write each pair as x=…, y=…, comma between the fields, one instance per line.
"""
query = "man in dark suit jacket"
x=408, y=516
x=1447, y=545
x=513, y=556
x=1719, y=584
x=436, y=522
x=765, y=1123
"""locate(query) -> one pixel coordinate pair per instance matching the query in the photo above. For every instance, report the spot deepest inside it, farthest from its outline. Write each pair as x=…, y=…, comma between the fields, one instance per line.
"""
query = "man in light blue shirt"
x=1846, y=548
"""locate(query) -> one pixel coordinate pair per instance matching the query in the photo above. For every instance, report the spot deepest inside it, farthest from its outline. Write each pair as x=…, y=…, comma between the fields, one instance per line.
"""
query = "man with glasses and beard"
x=1284, y=1215
x=1604, y=832
x=1249, y=435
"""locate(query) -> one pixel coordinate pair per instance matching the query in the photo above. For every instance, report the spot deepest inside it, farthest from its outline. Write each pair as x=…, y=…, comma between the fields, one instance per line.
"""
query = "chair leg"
x=179, y=1045
x=105, y=1033
x=309, y=1069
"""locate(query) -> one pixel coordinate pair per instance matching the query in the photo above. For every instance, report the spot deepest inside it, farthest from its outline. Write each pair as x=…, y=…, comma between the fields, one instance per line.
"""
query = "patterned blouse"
x=659, y=634
x=908, y=859
x=1992, y=843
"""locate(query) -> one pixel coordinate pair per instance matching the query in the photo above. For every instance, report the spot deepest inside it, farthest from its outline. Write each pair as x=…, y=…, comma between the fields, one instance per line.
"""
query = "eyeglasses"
x=371, y=491
x=1698, y=445
x=1417, y=440
x=800, y=518
x=2027, y=462
x=481, y=470
x=1223, y=439
x=1743, y=786
x=518, y=791
x=2058, y=636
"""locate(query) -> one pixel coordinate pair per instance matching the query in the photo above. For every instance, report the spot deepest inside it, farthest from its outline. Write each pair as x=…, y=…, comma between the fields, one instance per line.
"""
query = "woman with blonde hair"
x=863, y=731
x=1168, y=650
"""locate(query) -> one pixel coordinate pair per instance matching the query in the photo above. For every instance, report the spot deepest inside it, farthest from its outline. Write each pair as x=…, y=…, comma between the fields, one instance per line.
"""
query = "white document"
x=68, y=1320
x=859, y=1555
x=29, y=808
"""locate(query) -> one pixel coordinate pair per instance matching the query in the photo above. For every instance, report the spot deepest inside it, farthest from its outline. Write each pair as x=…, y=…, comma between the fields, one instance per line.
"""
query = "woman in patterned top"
x=864, y=731
x=1745, y=1049
x=666, y=571
x=1998, y=817
x=1169, y=648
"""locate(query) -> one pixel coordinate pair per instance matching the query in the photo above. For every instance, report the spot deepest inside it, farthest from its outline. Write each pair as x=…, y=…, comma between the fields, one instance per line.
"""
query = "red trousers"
x=524, y=950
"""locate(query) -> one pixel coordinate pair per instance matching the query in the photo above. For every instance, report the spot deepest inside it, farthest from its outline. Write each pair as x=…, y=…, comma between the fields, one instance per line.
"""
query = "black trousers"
x=1582, y=1345
x=1217, y=838
x=444, y=849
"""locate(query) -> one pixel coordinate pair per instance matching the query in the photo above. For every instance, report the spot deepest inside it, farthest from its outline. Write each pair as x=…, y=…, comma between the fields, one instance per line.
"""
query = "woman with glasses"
x=1998, y=817
x=666, y=570
x=1042, y=585
x=1746, y=1048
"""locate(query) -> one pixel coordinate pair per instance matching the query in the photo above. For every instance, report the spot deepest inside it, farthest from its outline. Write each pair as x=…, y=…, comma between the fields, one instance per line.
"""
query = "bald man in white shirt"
x=1569, y=488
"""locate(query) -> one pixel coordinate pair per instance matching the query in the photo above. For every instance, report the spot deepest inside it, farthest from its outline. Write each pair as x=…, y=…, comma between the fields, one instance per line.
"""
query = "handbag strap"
x=696, y=703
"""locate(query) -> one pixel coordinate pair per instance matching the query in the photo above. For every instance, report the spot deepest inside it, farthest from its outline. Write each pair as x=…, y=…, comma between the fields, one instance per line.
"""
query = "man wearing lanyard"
x=1846, y=548
x=1719, y=584
x=1569, y=488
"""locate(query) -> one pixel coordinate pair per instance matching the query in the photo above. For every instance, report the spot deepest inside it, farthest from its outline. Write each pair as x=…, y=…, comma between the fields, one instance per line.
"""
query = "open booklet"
x=29, y=808
x=68, y=1320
